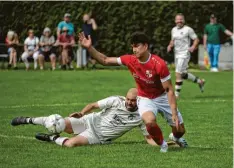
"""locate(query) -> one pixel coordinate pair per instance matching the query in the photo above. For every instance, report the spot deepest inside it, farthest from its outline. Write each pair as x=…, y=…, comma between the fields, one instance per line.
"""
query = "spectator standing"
x=12, y=42
x=66, y=23
x=47, y=52
x=89, y=27
x=31, y=46
x=211, y=40
x=66, y=42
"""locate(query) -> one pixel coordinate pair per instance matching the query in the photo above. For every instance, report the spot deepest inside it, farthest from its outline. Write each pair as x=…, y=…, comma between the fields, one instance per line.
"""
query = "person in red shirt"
x=66, y=42
x=155, y=90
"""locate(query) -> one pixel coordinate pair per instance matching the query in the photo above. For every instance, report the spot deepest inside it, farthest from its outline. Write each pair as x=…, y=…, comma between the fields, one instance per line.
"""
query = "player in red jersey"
x=155, y=90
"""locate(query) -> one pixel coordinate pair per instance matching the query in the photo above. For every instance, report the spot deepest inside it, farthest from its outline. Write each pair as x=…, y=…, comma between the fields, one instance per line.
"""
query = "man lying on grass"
x=118, y=116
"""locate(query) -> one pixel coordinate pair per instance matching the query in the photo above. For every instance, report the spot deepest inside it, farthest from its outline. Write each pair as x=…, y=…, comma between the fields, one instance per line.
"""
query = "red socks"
x=155, y=132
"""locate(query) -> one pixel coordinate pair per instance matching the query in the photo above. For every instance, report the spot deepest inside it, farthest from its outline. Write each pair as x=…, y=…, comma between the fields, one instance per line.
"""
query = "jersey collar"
x=146, y=60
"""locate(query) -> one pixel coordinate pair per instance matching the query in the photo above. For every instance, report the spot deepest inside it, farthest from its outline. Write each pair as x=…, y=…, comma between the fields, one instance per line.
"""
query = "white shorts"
x=159, y=104
x=181, y=65
x=84, y=126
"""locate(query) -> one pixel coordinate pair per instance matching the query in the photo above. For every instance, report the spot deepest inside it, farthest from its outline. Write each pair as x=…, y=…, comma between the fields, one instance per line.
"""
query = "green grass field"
x=208, y=120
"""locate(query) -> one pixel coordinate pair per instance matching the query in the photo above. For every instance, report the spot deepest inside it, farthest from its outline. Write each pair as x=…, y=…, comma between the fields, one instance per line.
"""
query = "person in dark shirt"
x=89, y=27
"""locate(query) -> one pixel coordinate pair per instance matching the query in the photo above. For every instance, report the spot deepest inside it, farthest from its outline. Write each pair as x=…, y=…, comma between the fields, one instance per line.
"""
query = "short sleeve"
x=164, y=72
x=222, y=27
x=143, y=129
x=60, y=25
x=172, y=34
x=192, y=34
x=124, y=60
x=26, y=41
x=107, y=102
x=52, y=39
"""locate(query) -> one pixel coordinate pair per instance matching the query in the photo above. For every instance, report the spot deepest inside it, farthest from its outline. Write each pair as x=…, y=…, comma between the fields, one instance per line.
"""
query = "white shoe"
x=181, y=141
x=215, y=70
x=164, y=147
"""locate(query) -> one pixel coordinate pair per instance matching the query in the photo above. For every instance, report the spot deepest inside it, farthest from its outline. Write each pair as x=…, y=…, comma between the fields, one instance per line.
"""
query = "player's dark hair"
x=139, y=37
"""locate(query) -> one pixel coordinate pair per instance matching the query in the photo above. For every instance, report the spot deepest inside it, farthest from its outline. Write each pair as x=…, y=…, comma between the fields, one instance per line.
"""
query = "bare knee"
x=178, y=76
x=76, y=141
x=70, y=144
x=149, y=118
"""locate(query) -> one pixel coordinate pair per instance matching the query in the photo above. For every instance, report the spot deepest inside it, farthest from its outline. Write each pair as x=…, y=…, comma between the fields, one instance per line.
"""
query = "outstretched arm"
x=101, y=58
x=229, y=33
x=86, y=110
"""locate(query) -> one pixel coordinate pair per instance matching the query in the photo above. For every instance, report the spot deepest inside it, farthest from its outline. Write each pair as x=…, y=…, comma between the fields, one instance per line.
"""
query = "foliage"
x=116, y=20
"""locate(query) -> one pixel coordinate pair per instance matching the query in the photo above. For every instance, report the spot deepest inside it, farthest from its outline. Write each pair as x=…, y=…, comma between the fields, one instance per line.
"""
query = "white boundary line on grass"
x=84, y=103
x=31, y=138
x=18, y=136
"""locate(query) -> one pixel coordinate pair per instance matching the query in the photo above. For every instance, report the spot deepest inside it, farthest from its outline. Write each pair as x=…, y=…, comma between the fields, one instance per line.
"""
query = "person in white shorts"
x=31, y=46
x=118, y=116
x=181, y=36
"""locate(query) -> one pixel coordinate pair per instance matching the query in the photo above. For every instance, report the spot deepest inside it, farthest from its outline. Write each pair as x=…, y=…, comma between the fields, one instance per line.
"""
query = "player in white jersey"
x=118, y=116
x=181, y=35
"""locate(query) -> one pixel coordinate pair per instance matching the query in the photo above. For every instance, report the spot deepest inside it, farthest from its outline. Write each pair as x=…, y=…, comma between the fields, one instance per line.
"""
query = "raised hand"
x=84, y=41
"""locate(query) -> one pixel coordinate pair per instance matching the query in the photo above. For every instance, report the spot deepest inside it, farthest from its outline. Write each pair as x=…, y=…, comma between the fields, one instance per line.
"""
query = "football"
x=55, y=124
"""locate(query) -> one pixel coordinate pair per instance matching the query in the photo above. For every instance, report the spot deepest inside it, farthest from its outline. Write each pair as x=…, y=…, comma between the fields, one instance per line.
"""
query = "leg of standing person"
x=216, y=52
x=210, y=51
x=148, y=112
x=84, y=57
x=164, y=109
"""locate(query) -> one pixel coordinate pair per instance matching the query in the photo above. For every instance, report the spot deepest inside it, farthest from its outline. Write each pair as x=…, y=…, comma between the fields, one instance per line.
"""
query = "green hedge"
x=116, y=20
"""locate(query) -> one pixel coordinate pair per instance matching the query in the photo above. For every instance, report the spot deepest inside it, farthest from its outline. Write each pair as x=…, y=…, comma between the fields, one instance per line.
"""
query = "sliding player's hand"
x=76, y=115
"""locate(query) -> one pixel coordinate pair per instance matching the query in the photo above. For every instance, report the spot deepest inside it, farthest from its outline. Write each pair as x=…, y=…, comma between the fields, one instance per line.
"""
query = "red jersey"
x=148, y=75
x=65, y=38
